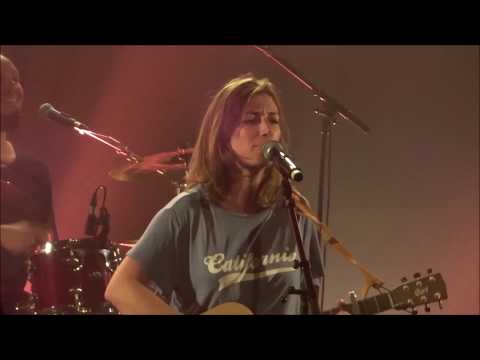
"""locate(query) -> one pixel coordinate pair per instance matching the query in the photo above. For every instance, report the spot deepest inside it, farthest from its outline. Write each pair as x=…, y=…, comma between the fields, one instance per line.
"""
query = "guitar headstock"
x=420, y=291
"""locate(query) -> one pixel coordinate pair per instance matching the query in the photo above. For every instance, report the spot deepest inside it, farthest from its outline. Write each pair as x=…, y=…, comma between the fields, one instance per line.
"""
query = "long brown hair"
x=211, y=155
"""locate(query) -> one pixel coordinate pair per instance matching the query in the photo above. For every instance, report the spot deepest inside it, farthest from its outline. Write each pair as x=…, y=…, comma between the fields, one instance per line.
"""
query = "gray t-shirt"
x=198, y=255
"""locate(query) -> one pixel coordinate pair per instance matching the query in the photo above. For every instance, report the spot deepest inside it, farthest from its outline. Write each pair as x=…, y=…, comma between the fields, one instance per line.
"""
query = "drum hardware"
x=70, y=277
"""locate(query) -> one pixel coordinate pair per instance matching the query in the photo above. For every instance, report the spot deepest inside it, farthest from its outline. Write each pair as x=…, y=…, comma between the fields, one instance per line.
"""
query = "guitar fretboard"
x=374, y=304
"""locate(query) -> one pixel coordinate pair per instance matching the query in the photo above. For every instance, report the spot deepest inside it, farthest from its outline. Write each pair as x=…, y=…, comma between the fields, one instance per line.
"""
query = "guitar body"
x=229, y=308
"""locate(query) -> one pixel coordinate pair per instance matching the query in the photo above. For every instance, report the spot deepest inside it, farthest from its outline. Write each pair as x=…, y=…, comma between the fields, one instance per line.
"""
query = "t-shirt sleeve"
x=156, y=252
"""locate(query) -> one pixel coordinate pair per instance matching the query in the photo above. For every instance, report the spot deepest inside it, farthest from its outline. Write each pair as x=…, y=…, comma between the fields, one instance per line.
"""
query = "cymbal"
x=154, y=164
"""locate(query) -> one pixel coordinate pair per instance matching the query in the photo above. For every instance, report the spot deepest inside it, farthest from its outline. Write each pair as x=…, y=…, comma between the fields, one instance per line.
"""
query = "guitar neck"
x=373, y=305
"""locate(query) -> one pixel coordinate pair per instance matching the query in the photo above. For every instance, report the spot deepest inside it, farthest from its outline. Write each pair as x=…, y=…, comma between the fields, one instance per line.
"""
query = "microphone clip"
x=91, y=225
x=102, y=221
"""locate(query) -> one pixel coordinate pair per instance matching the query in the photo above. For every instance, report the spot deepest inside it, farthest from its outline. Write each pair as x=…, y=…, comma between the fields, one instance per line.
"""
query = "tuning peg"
x=416, y=275
x=353, y=295
x=425, y=301
x=403, y=279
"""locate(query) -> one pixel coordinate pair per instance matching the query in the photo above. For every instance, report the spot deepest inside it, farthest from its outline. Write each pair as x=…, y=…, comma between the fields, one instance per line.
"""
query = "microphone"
x=273, y=151
x=47, y=111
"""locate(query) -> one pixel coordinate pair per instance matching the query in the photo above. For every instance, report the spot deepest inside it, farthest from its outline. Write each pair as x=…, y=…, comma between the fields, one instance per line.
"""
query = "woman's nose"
x=265, y=126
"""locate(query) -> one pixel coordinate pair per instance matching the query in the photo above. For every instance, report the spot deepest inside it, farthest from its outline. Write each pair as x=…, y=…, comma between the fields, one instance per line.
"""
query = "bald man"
x=27, y=218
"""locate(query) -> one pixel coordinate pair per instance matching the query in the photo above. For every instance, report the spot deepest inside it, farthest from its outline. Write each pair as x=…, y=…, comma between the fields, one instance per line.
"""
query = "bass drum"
x=55, y=275
x=70, y=277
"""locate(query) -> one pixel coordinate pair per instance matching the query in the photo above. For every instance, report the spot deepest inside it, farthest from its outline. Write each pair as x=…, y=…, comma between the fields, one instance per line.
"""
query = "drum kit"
x=70, y=276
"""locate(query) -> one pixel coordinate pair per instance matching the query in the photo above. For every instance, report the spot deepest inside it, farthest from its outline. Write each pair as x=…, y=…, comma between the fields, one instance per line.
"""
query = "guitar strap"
x=369, y=279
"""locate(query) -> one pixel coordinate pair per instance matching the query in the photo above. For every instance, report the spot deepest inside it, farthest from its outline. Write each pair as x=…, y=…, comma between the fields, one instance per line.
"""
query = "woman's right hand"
x=23, y=236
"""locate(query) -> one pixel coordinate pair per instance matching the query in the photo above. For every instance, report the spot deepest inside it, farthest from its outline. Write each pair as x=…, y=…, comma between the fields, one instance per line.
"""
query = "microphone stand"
x=120, y=149
x=328, y=111
x=113, y=143
x=309, y=296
